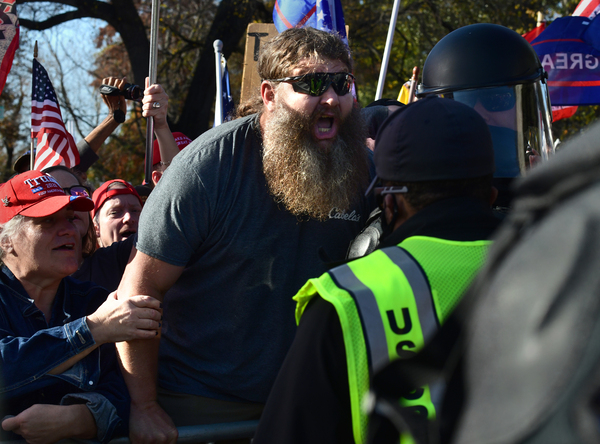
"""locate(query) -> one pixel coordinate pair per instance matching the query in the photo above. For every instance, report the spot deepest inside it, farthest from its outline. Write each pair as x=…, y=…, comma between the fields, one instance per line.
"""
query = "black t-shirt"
x=106, y=266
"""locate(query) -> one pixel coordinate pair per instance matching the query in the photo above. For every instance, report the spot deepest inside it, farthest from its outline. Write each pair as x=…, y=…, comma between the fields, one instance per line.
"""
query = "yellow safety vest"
x=390, y=303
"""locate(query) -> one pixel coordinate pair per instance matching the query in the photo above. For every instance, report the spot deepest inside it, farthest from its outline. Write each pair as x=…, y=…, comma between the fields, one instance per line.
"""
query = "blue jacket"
x=30, y=346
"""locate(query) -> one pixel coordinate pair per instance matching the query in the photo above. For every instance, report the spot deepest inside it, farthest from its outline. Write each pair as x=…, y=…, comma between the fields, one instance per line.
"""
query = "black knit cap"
x=433, y=139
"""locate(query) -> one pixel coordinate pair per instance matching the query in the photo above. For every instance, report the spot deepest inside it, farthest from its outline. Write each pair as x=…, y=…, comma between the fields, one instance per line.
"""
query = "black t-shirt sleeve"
x=87, y=156
x=310, y=400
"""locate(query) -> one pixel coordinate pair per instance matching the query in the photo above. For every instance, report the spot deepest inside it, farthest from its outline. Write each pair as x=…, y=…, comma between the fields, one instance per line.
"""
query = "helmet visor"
x=518, y=119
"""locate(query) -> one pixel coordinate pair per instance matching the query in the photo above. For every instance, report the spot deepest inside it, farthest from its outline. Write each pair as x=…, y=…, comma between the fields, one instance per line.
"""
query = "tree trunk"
x=229, y=26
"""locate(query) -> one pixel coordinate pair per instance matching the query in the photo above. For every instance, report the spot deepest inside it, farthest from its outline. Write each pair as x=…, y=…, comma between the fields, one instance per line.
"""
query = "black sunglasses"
x=493, y=100
x=316, y=83
x=380, y=193
x=78, y=190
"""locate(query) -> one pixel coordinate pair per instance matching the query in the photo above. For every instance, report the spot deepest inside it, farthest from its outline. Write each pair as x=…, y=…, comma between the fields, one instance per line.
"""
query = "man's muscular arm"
x=139, y=359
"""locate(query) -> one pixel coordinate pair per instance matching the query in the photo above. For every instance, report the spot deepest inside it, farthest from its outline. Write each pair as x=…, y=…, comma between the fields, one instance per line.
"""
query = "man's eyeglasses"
x=315, y=84
x=493, y=99
x=78, y=190
x=380, y=193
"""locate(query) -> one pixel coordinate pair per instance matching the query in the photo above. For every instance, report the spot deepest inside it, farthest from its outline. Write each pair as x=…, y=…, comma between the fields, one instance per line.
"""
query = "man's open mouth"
x=324, y=124
x=68, y=247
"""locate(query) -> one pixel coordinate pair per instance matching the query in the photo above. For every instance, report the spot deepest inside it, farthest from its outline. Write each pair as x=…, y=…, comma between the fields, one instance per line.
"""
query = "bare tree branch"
x=52, y=21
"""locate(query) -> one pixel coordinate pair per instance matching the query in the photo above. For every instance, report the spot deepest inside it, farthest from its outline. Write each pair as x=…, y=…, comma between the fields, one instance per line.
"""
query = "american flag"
x=55, y=146
x=587, y=8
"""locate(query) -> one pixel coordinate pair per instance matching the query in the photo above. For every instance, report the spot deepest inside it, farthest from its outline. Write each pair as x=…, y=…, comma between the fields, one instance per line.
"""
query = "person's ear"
x=389, y=207
x=97, y=229
x=7, y=245
x=267, y=92
x=396, y=210
x=493, y=195
x=156, y=175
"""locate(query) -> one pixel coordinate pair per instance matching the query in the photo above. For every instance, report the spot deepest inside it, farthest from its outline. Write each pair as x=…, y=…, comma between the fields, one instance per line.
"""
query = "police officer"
x=496, y=71
x=434, y=161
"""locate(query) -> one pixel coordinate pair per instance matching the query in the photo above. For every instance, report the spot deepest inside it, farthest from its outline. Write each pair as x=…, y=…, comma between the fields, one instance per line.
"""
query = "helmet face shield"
x=518, y=119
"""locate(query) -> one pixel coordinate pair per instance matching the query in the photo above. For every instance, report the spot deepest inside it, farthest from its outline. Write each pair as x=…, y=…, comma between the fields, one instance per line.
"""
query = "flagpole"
x=33, y=139
x=218, y=46
x=152, y=77
x=388, y=50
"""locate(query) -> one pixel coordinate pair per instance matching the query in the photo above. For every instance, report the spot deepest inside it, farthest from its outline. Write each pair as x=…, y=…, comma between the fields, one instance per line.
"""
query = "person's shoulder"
x=216, y=143
x=227, y=130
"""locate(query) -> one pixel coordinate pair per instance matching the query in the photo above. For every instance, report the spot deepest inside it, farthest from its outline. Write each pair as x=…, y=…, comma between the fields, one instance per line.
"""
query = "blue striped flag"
x=326, y=15
x=228, y=105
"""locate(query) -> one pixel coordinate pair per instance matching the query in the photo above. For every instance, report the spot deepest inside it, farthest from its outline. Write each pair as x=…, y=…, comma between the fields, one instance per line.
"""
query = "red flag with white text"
x=55, y=146
x=9, y=38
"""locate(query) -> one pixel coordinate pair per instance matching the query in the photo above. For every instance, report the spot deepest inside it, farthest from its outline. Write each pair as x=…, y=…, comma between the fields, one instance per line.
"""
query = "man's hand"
x=155, y=94
x=128, y=319
x=149, y=424
x=46, y=424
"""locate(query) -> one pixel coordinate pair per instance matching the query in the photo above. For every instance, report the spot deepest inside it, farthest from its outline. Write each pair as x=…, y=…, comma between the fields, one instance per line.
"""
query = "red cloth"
x=9, y=38
x=531, y=35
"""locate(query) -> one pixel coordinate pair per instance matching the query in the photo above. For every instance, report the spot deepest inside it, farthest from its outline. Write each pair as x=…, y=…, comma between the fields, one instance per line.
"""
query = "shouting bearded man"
x=241, y=219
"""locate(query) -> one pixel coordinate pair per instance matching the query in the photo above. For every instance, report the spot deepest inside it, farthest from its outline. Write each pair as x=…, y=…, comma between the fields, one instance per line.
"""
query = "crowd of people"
x=282, y=261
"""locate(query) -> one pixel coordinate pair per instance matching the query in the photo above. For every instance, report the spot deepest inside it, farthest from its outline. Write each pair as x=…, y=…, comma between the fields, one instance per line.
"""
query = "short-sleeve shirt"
x=229, y=319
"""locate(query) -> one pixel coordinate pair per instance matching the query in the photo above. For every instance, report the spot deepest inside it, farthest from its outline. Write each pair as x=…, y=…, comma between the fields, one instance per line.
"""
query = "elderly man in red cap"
x=59, y=373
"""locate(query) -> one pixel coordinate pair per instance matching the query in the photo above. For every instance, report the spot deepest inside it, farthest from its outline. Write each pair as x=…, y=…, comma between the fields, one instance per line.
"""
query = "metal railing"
x=197, y=434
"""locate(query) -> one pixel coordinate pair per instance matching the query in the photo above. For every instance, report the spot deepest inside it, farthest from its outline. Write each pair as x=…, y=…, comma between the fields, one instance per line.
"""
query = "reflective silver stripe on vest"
x=368, y=309
x=369, y=314
x=420, y=287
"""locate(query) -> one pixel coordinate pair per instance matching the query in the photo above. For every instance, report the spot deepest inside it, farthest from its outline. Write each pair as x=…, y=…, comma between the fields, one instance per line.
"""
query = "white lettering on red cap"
x=44, y=179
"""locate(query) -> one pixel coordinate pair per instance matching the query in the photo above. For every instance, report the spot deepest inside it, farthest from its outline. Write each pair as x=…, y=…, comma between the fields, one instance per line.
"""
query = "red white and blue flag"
x=587, y=8
x=55, y=146
x=326, y=15
x=9, y=38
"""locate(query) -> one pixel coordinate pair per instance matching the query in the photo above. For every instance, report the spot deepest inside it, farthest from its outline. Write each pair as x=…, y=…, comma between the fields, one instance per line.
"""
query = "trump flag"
x=326, y=15
x=569, y=50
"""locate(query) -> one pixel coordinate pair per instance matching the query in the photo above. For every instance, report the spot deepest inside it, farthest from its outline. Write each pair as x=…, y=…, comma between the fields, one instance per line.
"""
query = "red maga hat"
x=36, y=194
x=181, y=139
x=106, y=191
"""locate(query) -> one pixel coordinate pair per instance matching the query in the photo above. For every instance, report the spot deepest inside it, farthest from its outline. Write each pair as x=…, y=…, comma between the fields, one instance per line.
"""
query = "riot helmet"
x=495, y=71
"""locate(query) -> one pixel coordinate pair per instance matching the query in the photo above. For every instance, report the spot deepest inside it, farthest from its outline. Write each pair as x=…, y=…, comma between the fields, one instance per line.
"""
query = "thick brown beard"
x=305, y=178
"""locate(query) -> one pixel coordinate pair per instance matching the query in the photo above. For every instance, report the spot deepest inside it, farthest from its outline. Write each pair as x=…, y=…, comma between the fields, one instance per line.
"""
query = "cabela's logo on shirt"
x=342, y=215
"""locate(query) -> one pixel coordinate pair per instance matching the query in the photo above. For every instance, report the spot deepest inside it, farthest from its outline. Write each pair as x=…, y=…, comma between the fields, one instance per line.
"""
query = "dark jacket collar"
x=458, y=218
